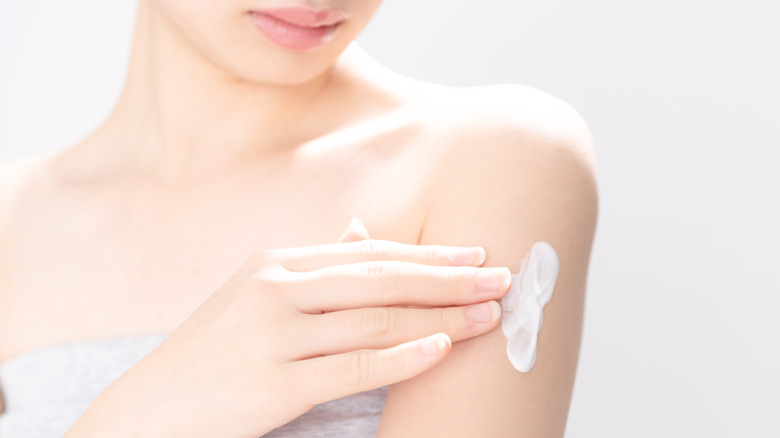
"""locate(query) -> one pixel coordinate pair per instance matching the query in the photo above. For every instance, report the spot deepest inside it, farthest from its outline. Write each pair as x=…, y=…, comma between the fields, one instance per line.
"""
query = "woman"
x=208, y=205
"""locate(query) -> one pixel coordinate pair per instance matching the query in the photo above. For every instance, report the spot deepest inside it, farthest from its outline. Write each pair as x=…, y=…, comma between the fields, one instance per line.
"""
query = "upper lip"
x=306, y=17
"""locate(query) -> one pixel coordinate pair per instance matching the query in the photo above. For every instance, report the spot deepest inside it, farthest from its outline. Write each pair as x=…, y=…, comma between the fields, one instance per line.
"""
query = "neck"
x=180, y=118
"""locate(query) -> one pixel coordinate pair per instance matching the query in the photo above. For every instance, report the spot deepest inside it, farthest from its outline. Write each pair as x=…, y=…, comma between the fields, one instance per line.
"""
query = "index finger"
x=309, y=258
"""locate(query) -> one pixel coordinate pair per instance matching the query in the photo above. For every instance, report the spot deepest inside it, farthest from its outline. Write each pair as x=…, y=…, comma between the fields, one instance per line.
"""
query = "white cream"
x=532, y=287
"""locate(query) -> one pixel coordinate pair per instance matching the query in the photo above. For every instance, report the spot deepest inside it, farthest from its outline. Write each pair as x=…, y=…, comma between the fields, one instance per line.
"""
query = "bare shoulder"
x=514, y=166
x=16, y=177
x=513, y=125
x=509, y=143
x=20, y=182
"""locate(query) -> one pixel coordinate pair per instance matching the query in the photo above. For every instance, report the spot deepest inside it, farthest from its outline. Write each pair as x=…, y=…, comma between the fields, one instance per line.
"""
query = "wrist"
x=120, y=411
x=105, y=417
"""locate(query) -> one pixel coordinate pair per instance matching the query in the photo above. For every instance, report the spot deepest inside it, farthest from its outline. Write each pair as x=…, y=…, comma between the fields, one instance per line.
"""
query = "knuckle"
x=378, y=322
x=381, y=276
x=399, y=363
x=248, y=299
x=462, y=285
x=265, y=282
x=431, y=254
x=371, y=249
x=358, y=368
x=280, y=383
x=296, y=379
x=261, y=260
x=444, y=316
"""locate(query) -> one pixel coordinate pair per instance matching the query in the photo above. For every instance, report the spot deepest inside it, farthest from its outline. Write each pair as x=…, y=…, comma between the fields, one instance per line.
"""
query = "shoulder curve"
x=518, y=110
x=519, y=126
x=15, y=173
x=16, y=177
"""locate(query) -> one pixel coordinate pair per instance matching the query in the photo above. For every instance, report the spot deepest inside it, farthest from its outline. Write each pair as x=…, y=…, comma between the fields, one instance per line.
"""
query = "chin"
x=273, y=66
x=236, y=43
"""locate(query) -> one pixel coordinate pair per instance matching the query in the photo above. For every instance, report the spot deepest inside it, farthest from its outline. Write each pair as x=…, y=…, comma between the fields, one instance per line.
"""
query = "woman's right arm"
x=296, y=327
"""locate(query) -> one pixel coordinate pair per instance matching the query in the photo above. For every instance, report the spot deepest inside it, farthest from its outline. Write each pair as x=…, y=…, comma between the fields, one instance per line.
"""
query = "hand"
x=296, y=327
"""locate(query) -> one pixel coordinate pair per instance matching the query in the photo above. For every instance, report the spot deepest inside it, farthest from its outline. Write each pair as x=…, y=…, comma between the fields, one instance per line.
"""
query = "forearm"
x=121, y=411
x=108, y=415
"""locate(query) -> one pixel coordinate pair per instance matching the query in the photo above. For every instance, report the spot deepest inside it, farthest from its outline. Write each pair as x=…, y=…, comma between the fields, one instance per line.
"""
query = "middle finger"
x=394, y=283
x=384, y=327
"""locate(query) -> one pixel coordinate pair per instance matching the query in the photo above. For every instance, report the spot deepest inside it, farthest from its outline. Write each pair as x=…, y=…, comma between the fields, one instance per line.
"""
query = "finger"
x=393, y=283
x=355, y=231
x=384, y=327
x=327, y=378
x=314, y=257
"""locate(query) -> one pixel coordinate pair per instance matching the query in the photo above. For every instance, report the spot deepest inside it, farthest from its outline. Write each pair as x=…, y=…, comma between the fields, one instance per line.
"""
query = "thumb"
x=355, y=231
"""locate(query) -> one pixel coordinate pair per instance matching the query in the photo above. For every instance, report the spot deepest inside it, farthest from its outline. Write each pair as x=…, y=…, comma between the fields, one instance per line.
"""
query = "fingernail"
x=493, y=279
x=468, y=256
x=483, y=312
x=435, y=344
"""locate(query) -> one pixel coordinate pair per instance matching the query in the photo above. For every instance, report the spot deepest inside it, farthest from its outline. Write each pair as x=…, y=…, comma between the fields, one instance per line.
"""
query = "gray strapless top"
x=47, y=389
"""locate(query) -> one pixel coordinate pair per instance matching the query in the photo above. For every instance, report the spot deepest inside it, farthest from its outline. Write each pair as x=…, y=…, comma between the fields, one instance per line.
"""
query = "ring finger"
x=393, y=283
x=383, y=327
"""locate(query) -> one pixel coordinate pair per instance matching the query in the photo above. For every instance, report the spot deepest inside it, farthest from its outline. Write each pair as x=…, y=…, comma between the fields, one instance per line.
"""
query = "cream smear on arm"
x=532, y=287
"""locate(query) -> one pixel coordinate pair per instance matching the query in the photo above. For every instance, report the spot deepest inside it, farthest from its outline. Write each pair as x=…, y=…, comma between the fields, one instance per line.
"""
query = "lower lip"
x=289, y=35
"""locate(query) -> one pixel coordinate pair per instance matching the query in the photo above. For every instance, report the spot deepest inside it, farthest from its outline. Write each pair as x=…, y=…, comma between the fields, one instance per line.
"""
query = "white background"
x=681, y=334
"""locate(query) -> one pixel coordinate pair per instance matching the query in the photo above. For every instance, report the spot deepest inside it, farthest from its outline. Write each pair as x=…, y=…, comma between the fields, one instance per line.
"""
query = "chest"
x=131, y=258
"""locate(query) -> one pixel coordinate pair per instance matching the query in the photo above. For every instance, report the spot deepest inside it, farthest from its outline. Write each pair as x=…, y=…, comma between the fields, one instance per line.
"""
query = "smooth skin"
x=224, y=144
x=297, y=327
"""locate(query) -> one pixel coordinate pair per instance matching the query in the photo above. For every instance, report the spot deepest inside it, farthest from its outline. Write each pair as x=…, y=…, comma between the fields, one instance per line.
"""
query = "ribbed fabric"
x=46, y=390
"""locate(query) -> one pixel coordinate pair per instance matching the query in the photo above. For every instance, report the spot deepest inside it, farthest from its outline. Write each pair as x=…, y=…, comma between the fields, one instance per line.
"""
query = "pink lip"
x=306, y=17
x=297, y=28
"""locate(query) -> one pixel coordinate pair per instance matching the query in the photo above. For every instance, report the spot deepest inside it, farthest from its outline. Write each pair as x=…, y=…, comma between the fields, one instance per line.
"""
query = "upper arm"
x=504, y=185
